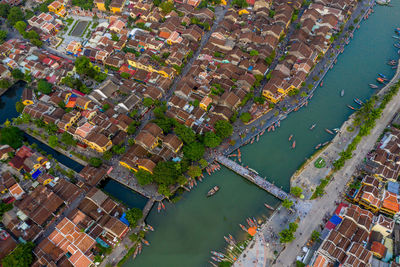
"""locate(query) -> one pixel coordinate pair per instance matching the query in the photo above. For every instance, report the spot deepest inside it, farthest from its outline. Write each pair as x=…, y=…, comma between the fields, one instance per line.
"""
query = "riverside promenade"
x=254, y=178
x=260, y=251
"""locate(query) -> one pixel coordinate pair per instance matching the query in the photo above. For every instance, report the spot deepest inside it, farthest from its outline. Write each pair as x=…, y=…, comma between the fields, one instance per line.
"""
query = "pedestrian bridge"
x=254, y=178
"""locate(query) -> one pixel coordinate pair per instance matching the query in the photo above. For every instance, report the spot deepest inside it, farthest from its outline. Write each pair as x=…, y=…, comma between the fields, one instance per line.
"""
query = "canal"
x=187, y=232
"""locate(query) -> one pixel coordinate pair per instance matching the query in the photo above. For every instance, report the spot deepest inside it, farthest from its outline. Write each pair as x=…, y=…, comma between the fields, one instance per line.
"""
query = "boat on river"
x=397, y=45
x=313, y=126
x=268, y=206
x=351, y=107
x=342, y=93
x=382, y=2
x=318, y=146
x=328, y=131
x=290, y=137
x=381, y=75
x=321, y=84
x=358, y=101
x=380, y=80
x=392, y=62
x=336, y=130
x=294, y=144
x=253, y=170
x=373, y=86
x=159, y=207
x=212, y=191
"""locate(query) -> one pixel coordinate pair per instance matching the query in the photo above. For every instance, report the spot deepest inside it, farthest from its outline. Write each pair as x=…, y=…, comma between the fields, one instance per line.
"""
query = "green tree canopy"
x=315, y=235
x=17, y=74
x=11, y=136
x=133, y=216
x=194, y=151
x=211, y=139
x=148, y=102
x=20, y=26
x=21, y=256
x=245, y=117
x=186, y=134
x=166, y=6
x=95, y=162
x=3, y=36
x=166, y=172
x=223, y=129
x=144, y=177
x=194, y=171
x=68, y=139
x=19, y=106
x=4, y=208
x=82, y=65
x=287, y=203
x=4, y=83
x=4, y=10
x=296, y=191
x=14, y=15
x=44, y=87
x=131, y=128
x=53, y=141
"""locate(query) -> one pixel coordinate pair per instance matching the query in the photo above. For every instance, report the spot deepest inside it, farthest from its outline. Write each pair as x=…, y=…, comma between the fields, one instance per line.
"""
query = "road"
x=337, y=185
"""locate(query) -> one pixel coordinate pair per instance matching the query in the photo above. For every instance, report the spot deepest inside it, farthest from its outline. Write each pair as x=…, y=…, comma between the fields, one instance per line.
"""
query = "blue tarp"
x=335, y=219
x=393, y=187
x=36, y=174
x=101, y=242
x=124, y=219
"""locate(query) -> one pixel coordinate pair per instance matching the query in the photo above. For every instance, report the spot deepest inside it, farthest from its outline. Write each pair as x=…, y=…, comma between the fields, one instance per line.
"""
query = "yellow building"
x=100, y=5
x=98, y=142
x=57, y=8
x=205, y=102
x=116, y=6
x=145, y=64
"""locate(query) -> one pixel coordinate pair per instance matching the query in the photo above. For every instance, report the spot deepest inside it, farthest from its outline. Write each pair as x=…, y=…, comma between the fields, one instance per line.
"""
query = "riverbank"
x=312, y=216
x=290, y=104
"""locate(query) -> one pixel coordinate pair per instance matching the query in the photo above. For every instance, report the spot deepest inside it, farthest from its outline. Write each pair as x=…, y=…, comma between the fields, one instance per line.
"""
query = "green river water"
x=187, y=231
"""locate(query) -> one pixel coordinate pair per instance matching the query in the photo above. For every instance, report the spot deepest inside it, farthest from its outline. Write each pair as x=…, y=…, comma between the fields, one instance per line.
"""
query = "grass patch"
x=319, y=163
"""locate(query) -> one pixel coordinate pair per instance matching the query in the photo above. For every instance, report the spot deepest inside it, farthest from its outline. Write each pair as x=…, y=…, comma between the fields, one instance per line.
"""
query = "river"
x=188, y=230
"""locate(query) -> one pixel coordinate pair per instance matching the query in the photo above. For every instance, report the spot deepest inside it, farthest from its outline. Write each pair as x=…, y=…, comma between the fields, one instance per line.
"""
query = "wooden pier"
x=254, y=178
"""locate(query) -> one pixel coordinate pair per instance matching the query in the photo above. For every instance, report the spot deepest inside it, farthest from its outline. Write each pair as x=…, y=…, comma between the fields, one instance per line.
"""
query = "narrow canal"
x=188, y=230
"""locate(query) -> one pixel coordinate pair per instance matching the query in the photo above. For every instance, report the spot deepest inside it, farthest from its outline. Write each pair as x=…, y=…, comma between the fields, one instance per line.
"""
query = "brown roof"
x=172, y=141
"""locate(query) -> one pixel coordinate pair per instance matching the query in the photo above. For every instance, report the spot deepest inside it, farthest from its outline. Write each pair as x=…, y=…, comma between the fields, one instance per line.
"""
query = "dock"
x=254, y=178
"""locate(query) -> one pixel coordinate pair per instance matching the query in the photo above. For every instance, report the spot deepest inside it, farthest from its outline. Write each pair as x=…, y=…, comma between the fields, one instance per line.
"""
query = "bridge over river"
x=254, y=178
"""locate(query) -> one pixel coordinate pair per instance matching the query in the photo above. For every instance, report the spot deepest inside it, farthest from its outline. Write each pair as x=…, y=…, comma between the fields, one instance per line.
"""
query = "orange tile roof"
x=164, y=35
x=390, y=202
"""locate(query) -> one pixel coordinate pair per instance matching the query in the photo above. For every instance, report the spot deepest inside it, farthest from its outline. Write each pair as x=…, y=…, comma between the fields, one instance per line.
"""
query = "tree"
x=287, y=203
x=68, y=139
x=114, y=37
x=293, y=226
x=286, y=236
x=166, y=6
x=166, y=172
x=253, y=53
x=296, y=191
x=17, y=74
x=44, y=87
x=95, y=162
x=144, y=177
x=21, y=256
x=36, y=42
x=240, y=3
x=4, y=10
x=223, y=129
x=194, y=171
x=4, y=208
x=20, y=26
x=19, y=106
x=164, y=190
x=53, y=141
x=211, y=139
x=11, y=136
x=4, y=83
x=131, y=128
x=148, y=102
x=315, y=235
x=245, y=117
x=125, y=75
x=15, y=15
x=133, y=216
x=186, y=134
x=193, y=151
x=3, y=36
x=82, y=65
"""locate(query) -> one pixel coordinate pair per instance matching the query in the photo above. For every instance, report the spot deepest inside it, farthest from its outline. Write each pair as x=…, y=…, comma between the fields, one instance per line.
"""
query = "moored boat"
x=268, y=206
x=336, y=130
x=294, y=144
x=381, y=75
x=317, y=146
x=380, y=80
x=351, y=107
x=313, y=126
x=212, y=191
x=358, y=101
x=328, y=131
x=290, y=137
x=159, y=207
x=321, y=84
x=342, y=93
x=373, y=86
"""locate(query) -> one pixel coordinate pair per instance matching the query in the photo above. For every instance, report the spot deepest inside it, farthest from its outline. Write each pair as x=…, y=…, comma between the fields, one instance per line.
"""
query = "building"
x=57, y=8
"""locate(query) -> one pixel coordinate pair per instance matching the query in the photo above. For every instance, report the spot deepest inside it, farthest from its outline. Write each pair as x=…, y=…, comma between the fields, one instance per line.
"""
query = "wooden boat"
x=313, y=126
x=358, y=101
x=290, y=137
x=397, y=45
x=351, y=107
x=392, y=62
x=268, y=206
x=242, y=227
x=373, y=86
x=328, y=131
x=145, y=242
x=213, y=191
x=317, y=146
x=325, y=143
x=321, y=84
x=159, y=207
x=294, y=144
x=381, y=75
x=342, y=93
x=336, y=130
x=258, y=137
x=162, y=204
x=150, y=227
x=380, y=80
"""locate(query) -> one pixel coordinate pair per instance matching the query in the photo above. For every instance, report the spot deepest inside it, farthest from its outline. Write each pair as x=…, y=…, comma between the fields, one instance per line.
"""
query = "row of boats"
x=213, y=167
x=160, y=206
